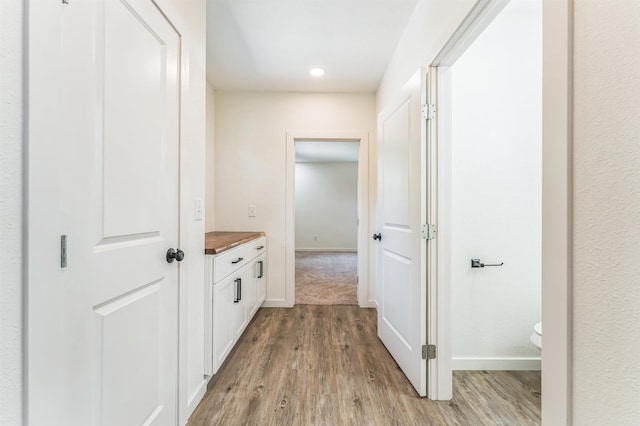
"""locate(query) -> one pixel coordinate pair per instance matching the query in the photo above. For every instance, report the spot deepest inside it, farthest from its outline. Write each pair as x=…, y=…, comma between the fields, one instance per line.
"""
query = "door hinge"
x=428, y=111
x=428, y=351
x=429, y=231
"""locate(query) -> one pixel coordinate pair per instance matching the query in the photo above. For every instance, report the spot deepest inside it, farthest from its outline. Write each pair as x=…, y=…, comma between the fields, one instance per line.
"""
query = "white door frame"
x=293, y=136
x=557, y=189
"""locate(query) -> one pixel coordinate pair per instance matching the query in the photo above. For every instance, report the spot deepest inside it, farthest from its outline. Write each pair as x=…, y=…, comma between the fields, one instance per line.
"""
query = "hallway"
x=324, y=365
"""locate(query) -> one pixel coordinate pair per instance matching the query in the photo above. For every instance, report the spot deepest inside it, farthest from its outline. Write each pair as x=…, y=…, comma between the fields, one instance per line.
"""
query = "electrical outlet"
x=252, y=210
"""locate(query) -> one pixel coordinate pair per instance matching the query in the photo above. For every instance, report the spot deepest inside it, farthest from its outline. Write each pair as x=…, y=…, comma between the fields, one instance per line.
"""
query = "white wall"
x=497, y=194
x=250, y=163
x=11, y=79
x=606, y=304
x=326, y=206
x=430, y=27
x=210, y=154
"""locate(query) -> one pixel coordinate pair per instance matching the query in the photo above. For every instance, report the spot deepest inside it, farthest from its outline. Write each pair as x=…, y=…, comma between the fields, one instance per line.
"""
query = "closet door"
x=103, y=211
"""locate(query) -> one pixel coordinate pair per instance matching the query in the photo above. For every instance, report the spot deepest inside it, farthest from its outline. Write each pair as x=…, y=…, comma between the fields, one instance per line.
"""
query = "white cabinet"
x=237, y=280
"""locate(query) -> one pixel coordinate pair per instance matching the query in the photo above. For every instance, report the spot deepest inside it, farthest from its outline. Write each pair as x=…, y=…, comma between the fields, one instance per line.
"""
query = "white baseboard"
x=369, y=304
x=197, y=397
x=506, y=364
x=276, y=303
x=345, y=250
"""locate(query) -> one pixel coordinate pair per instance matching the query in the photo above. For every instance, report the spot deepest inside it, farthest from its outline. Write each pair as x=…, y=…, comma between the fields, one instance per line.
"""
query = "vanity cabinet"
x=237, y=288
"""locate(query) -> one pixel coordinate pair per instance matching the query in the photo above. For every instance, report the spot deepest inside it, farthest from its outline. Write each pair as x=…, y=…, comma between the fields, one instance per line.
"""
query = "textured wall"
x=11, y=212
x=606, y=212
x=497, y=193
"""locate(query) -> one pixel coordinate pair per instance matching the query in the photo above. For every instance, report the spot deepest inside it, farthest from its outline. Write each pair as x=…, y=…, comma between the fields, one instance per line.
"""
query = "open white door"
x=103, y=171
x=402, y=251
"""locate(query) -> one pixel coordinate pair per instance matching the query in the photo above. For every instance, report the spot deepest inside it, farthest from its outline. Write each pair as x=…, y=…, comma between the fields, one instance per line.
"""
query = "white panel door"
x=104, y=151
x=401, y=256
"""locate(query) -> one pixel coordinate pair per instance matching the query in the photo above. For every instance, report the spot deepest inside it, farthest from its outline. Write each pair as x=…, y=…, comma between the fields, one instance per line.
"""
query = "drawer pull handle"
x=238, y=290
x=259, y=247
x=261, y=265
x=238, y=260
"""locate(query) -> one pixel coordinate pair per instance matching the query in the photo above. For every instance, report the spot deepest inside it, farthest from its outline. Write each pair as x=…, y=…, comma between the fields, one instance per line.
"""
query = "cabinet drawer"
x=257, y=247
x=234, y=259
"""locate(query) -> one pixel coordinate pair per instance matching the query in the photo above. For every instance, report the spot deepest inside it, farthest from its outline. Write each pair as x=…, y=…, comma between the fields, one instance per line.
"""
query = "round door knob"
x=174, y=255
x=377, y=237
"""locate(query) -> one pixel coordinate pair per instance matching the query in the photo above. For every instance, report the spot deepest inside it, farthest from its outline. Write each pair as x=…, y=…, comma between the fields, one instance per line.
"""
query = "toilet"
x=536, y=336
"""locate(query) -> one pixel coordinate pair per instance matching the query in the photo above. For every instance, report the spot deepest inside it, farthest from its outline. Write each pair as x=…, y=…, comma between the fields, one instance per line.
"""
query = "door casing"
x=365, y=298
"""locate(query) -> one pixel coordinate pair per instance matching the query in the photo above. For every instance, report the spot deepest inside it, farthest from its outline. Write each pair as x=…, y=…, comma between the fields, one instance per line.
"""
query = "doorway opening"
x=326, y=223
x=327, y=219
x=489, y=91
x=496, y=193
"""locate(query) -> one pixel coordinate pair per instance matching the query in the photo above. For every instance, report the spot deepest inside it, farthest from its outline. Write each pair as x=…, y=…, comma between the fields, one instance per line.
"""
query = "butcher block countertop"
x=218, y=241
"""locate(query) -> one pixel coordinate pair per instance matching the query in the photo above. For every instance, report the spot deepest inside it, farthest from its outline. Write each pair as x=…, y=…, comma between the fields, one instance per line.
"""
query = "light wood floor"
x=324, y=365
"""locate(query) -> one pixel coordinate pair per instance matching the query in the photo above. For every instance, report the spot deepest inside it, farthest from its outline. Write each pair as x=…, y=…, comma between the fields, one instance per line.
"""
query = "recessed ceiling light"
x=317, y=72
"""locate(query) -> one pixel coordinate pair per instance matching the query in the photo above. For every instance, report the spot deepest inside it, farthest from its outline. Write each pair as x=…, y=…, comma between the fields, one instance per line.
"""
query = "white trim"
x=498, y=364
x=363, y=208
x=275, y=303
x=557, y=210
x=439, y=258
x=337, y=250
x=196, y=397
x=478, y=19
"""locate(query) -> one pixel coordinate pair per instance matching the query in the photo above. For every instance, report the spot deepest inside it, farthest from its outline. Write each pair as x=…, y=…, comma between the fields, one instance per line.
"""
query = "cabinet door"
x=224, y=296
x=252, y=295
x=240, y=317
x=260, y=272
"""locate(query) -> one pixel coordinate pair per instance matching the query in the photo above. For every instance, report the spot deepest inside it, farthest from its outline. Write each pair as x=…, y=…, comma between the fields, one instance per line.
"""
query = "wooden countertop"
x=218, y=241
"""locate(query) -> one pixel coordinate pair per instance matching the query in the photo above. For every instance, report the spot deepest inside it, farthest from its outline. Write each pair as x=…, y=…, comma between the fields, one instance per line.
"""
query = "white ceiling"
x=326, y=152
x=270, y=45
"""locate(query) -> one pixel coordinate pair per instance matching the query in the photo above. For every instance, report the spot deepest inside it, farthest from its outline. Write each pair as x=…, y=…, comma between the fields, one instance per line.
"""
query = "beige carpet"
x=326, y=278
